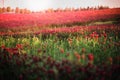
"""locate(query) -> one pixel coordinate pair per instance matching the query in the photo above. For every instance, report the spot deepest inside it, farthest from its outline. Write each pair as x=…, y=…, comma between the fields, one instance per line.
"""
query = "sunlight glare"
x=35, y=5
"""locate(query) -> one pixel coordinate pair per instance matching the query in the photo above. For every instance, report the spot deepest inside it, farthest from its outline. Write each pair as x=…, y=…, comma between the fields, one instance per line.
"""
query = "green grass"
x=51, y=45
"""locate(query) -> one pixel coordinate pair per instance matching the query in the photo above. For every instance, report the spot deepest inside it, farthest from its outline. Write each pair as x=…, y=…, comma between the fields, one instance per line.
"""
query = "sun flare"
x=37, y=4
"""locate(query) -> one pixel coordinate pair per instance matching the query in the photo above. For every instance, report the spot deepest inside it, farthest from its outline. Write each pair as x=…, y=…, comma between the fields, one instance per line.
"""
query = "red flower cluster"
x=90, y=57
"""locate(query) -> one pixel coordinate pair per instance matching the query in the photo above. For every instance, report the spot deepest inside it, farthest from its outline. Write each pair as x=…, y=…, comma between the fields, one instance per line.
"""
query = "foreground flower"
x=110, y=60
x=83, y=56
x=61, y=50
x=90, y=57
x=20, y=77
x=19, y=46
x=83, y=50
x=77, y=55
x=50, y=72
x=3, y=46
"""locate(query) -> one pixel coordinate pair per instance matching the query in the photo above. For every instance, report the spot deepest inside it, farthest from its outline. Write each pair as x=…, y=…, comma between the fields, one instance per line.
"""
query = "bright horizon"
x=37, y=5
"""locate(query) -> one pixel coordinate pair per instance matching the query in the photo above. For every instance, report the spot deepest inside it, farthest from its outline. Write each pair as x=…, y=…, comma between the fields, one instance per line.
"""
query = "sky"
x=37, y=5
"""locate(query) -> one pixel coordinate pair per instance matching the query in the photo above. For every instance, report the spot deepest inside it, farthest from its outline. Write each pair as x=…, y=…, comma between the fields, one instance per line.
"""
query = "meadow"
x=81, y=45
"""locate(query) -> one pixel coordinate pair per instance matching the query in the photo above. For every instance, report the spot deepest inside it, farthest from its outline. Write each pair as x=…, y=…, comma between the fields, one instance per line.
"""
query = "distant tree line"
x=16, y=10
x=26, y=11
x=77, y=9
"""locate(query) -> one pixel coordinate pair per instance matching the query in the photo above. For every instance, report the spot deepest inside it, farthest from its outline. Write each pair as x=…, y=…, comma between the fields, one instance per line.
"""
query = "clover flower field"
x=82, y=45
